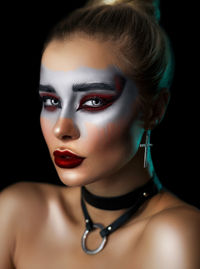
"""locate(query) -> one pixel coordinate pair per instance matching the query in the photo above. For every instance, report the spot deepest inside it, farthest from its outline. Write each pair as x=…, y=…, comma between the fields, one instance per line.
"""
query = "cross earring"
x=146, y=146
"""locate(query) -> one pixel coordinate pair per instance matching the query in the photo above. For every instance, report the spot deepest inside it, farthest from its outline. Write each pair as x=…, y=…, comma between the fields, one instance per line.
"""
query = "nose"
x=66, y=129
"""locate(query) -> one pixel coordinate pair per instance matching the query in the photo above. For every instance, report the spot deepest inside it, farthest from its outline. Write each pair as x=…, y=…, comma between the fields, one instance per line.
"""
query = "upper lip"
x=65, y=153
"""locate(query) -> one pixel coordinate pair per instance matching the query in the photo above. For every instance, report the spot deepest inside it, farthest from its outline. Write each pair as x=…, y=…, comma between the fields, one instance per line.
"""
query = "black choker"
x=132, y=200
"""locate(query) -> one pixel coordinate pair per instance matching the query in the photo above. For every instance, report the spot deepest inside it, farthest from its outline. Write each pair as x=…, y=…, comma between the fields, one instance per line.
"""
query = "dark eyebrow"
x=46, y=88
x=80, y=87
x=92, y=86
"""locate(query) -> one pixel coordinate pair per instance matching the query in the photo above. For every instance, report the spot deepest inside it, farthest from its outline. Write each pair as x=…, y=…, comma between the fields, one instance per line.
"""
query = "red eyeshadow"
x=107, y=99
x=119, y=83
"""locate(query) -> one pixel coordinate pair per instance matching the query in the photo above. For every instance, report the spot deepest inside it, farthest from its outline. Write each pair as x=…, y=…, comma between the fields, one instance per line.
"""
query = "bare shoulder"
x=23, y=208
x=27, y=197
x=172, y=238
x=18, y=193
x=26, y=204
x=15, y=210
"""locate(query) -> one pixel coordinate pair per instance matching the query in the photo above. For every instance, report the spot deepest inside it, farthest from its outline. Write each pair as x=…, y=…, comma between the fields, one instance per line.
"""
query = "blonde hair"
x=140, y=44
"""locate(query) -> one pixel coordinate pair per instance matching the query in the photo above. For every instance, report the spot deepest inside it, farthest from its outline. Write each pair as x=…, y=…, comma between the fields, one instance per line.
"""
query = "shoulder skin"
x=172, y=239
x=21, y=206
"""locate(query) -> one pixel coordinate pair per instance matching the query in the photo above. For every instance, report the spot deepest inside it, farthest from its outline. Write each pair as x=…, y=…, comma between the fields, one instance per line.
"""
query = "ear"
x=157, y=109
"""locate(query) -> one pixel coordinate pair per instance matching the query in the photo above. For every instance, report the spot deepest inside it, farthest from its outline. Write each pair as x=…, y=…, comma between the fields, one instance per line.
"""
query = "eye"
x=94, y=102
x=50, y=102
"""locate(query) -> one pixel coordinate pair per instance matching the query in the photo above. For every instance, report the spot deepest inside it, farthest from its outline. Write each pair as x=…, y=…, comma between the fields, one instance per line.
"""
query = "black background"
x=25, y=156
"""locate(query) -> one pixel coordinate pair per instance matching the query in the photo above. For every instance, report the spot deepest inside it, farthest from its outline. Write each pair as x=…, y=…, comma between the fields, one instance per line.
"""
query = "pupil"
x=54, y=102
x=96, y=101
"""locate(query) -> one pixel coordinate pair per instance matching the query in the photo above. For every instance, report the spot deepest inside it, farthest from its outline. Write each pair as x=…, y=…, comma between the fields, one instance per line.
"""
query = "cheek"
x=105, y=137
x=46, y=127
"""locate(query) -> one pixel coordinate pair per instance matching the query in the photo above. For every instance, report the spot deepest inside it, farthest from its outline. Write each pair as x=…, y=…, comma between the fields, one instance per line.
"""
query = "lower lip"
x=67, y=163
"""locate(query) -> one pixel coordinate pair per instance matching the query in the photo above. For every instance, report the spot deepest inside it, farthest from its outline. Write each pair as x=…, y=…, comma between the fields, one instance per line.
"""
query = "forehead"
x=79, y=75
x=79, y=58
x=78, y=51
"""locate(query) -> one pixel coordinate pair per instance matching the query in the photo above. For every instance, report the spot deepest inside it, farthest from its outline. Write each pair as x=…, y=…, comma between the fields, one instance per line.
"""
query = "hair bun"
x=150, y=7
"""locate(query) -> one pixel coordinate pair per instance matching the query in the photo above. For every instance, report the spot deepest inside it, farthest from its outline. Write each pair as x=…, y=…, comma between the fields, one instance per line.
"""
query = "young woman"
x=105, y=79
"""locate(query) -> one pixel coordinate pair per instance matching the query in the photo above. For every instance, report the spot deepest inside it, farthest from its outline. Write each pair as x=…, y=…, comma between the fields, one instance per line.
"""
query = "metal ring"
x=97, y=250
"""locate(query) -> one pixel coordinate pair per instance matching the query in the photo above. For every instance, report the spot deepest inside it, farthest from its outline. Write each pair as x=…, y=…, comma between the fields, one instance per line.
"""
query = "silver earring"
x=147, y=145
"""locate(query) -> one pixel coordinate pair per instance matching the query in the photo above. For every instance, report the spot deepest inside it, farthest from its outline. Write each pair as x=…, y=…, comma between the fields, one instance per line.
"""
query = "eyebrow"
x=80, y=87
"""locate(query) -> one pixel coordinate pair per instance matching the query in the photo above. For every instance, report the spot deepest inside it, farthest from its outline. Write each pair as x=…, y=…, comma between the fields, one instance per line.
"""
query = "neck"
x=130, y=177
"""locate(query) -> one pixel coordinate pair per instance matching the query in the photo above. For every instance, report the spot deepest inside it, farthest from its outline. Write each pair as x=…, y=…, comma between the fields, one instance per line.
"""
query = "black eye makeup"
x=96, y=102
x=91, y=102
x=50, y=102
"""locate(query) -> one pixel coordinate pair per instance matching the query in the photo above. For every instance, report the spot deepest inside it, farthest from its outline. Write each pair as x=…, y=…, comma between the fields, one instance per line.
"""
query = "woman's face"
x=89, y=108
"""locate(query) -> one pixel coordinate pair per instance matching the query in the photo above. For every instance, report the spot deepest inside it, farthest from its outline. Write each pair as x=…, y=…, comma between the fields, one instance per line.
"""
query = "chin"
x=77, y=177
x=74, y=178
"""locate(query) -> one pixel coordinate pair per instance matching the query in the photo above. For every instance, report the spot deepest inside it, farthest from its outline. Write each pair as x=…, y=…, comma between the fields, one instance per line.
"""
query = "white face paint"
x=101, y=124
x=120, y=96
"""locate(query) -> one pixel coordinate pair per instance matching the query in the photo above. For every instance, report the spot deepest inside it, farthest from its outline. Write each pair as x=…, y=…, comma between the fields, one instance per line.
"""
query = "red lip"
x=66, y=159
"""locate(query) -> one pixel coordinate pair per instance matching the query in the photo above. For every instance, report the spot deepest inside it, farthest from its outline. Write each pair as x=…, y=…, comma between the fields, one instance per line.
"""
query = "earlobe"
x=156, y=112
x=162, y=104
x=152, y=124
x=155, y=123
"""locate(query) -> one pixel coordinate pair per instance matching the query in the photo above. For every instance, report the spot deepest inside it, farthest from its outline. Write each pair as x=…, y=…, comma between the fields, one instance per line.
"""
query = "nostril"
x=66, y=136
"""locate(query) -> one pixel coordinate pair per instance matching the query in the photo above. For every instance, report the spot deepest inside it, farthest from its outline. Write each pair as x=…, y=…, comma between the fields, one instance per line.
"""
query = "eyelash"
x=45, y=97
x=107, y=100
